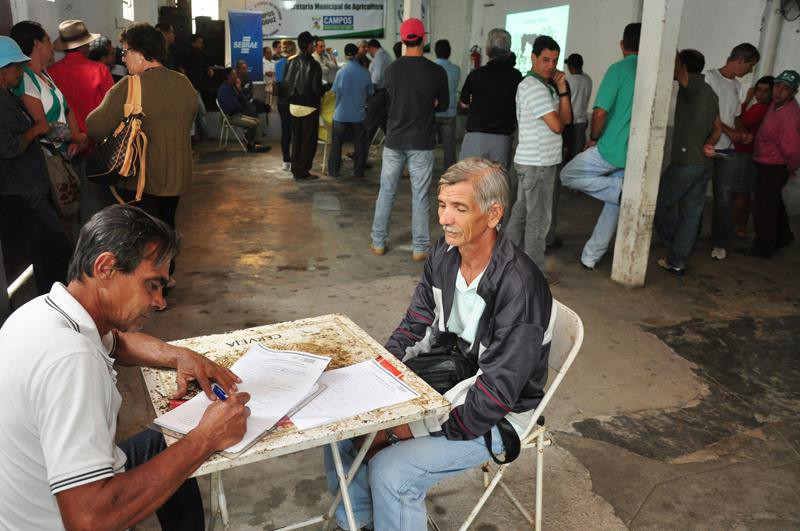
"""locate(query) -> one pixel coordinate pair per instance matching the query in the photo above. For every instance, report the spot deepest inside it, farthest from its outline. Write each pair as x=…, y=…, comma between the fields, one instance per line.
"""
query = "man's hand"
x=210, y=72
x=225, y=422
x=708, y=150
x=192, y=366
x=79, y=142
x=560, y=80
x=381, y=440
x=589, y=143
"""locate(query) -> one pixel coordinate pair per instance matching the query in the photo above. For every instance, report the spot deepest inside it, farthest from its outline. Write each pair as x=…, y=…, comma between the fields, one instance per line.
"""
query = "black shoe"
x=557, y=244
x=757, y=253
x=587, y=268
x=258, y=148
x=307, y=177
x=677, y=271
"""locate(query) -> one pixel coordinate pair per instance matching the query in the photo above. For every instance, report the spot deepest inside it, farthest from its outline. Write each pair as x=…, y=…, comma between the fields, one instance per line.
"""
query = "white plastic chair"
x=227, y=128
x=566, y=342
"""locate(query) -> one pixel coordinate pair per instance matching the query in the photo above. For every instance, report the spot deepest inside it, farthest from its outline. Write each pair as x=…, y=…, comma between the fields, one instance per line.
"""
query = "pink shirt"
x=778, y=139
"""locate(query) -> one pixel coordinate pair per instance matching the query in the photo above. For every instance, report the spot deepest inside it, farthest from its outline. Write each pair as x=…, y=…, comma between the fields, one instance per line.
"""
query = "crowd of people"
x=487, y=303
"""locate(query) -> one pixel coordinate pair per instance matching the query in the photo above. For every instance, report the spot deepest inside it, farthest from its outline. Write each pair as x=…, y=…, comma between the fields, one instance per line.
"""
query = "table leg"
x=344, y=481
x=223, y=503
x=214, y=501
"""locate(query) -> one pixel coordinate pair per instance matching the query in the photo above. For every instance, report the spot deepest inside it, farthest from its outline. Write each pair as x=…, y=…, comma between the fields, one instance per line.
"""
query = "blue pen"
x=218, y=391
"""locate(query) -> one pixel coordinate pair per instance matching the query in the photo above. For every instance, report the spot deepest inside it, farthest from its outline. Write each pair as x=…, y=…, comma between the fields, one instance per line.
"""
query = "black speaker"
x=213, y=33
x=181, y=20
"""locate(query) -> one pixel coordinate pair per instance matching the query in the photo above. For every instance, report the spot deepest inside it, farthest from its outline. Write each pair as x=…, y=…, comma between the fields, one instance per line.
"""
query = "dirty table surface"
x=331, y=335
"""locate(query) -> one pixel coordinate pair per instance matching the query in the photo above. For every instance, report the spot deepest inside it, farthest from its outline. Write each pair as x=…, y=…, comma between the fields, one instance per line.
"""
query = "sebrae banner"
x=329, y=19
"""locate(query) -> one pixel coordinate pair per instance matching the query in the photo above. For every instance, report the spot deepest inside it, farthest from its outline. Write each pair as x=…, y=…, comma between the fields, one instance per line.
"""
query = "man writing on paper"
x=482, y=290
x=59, y=466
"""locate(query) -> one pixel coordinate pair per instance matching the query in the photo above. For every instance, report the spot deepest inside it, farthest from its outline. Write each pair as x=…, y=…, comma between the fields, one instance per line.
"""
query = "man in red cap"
x=417, y=89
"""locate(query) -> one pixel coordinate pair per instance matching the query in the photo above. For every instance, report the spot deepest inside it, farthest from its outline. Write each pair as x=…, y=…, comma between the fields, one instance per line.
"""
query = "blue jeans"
x=420, y=167
x=726, y=172
x=343, y=131
x=681, y=197
x=390, y=490
x=591, y=174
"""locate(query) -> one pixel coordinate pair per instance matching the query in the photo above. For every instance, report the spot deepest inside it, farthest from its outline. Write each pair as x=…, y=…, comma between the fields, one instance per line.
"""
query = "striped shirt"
x=59, y=410
x=538, y=144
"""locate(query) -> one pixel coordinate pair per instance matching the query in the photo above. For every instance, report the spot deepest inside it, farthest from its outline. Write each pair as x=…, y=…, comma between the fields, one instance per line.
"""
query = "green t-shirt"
x=695, y=111
x=615, y=96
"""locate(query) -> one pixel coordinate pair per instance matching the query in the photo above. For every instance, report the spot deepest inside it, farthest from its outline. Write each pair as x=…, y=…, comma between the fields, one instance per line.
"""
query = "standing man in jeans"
x=417, y=89
x=682, y=190
x=543, y=110
x=352, y=86
x=741, y=61
x=598, y=170
x=446, y=121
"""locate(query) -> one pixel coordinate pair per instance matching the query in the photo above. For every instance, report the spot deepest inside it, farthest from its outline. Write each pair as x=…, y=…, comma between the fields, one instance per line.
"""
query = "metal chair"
x=227, y=128
x=566, y=342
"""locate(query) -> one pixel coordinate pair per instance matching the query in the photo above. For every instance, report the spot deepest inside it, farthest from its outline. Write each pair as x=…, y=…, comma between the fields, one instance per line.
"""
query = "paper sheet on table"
x=351, y=391
x=276, y=380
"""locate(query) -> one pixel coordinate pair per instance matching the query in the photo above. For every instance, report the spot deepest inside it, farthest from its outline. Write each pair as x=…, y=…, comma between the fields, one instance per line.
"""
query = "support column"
x=5, y=304
x=661, y=20
x=413, y=9
x=768, y=43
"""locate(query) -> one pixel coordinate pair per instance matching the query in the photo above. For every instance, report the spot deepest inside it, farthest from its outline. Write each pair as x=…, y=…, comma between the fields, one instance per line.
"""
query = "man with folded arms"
x=484, y=295
x=59, y=466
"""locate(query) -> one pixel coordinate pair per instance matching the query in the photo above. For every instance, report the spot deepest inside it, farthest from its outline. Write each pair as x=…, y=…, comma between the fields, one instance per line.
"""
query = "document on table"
x=350, y=391
x=277, y=380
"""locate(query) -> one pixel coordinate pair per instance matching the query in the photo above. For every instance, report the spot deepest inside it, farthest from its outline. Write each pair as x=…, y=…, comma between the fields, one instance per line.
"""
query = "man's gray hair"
x=488, y=179
x=498, y=44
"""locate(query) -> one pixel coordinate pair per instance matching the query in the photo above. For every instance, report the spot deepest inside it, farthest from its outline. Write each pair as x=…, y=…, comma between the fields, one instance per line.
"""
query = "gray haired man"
x=489, y=94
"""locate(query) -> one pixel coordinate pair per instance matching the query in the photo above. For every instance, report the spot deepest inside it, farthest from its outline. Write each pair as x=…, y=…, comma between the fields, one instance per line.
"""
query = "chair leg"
x=539, y=476
x=488, y=492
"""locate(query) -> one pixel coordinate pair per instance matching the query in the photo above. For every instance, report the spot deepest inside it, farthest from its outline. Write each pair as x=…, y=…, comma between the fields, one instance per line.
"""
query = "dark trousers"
x=184, y=509
x=305, y=131
x=342, y=132
x=50, y=248
x=377, y=113
x=286, y=130
x=446, y=131
x=724, y=181
x=160, y=207
x=769, y=212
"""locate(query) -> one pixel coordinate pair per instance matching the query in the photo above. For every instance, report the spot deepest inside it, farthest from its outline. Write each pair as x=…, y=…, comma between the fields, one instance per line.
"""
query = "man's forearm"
x=598, y=124
x=565, y=110
x=126, y=499
x=716, y=132
x=142, y=350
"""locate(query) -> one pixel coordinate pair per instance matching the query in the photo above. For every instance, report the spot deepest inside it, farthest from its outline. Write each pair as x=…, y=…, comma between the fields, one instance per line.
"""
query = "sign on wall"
x=329, y=19
x=245, y=30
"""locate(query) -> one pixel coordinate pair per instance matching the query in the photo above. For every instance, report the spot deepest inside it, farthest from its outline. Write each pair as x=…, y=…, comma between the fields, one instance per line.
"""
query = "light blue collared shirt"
x=378, y=66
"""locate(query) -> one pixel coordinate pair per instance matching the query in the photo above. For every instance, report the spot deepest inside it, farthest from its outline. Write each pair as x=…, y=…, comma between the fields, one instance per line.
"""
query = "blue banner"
x=245, y=31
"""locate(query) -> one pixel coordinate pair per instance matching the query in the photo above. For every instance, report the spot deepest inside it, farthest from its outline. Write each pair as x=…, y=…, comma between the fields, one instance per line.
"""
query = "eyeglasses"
x=125, y=51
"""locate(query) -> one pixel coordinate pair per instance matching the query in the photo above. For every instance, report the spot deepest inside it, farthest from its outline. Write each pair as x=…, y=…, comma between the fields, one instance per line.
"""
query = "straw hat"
x=73, y=34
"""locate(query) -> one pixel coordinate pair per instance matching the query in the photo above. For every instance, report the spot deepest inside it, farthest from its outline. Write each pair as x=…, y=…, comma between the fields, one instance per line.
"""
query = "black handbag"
x=446, y=365
x=124, y=153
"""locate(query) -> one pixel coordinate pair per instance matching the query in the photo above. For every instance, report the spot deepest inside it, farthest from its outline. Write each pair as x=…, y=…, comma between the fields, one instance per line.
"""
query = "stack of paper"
x=277, y=380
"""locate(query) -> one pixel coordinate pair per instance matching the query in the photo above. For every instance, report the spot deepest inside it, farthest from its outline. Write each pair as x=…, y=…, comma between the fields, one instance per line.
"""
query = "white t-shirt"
x=580, y=86
x=59, y=409
x=730, y=104
x=538, y=144
x=268, y=67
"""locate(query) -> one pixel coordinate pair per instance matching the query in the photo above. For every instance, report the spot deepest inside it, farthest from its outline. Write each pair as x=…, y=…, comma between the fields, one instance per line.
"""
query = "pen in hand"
x=218, y=391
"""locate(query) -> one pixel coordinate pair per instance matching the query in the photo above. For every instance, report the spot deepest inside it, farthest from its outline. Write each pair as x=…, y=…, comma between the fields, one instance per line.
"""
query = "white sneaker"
x=286, y=166
x=719, y=253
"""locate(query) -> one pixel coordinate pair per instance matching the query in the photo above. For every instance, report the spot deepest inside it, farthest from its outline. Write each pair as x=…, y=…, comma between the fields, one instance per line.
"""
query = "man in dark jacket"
x=302, y=82
x=478, y=286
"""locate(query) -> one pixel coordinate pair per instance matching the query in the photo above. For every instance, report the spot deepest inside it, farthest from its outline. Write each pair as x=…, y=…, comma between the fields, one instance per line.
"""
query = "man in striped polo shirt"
x=543, y=110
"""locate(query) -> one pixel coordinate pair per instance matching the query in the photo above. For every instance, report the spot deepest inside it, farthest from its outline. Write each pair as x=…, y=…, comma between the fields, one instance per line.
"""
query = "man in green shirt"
x=681, y=194
x=599, y=169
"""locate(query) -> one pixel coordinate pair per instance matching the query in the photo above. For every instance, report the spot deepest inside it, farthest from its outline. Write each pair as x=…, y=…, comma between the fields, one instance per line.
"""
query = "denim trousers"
x=420, y=168
x=390, y=489
x=679, y=209
x=184, y=509
x=726, y=171
x=446, y=132
x=530, y=216
x=591, y=174
x=342, y=132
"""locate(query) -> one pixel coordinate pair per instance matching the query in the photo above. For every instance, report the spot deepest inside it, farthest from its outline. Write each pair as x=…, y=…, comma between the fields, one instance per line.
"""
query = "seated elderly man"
x=480, y=299
x=59, y=466
x=239, y=111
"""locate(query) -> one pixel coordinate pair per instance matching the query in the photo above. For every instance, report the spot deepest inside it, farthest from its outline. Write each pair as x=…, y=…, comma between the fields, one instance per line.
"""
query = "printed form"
x=350, y=391
x=277, y=380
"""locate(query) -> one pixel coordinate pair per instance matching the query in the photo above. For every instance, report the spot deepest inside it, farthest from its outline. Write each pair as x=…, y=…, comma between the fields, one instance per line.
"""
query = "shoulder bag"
x=64, y=182
x=123, y=155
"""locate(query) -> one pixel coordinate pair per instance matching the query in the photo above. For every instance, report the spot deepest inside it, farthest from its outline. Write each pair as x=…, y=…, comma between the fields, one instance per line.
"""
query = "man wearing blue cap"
x=24, y=183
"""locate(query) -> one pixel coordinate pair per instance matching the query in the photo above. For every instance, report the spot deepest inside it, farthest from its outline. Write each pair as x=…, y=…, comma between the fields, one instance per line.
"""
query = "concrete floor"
x=679, y=413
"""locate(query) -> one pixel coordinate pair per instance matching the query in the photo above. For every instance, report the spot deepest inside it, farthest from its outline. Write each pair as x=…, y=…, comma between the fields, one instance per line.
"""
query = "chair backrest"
x=566, y=342
x=222, y=115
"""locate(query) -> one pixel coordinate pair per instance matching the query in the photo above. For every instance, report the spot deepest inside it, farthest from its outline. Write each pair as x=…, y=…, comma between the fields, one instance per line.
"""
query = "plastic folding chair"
x=227, y=128
x=325, y=135
x=566, y=342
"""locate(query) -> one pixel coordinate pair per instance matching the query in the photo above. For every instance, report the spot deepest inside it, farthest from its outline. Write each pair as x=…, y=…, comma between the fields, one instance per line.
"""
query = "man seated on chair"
x=235, y=106
x=255, y=106
x=485, y=296
x=59, y=465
